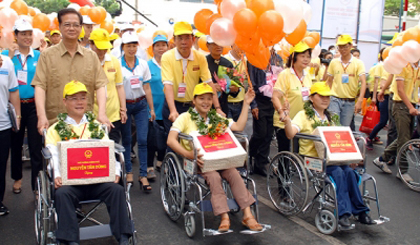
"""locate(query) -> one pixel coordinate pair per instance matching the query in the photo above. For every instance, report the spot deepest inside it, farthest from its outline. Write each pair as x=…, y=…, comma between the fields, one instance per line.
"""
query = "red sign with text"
x=83, y=163
x=340, y=142
x=222, y=142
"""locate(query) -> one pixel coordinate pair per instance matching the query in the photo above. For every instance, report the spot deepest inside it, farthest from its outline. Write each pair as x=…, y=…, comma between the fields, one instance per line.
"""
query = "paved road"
x=154, y=227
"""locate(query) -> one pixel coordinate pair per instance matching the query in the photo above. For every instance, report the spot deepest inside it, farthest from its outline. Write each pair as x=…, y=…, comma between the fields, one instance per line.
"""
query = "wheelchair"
x=289, y=182
x=185, y=193
x=46, y=218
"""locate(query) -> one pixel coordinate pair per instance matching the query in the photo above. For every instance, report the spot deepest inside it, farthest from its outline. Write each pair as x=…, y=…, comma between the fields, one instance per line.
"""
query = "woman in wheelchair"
x=78, y=125
x=315, y=114
x=203, y=99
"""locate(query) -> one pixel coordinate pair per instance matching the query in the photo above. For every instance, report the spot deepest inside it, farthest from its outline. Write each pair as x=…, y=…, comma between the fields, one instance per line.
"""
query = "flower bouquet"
x=227, y=77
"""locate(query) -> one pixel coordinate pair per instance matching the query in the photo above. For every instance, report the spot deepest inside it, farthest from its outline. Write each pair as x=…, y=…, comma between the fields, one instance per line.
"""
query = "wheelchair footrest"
x=249, y=232
x=341, y=228
x=211, y=232
x=95, y=231
x=381, y=220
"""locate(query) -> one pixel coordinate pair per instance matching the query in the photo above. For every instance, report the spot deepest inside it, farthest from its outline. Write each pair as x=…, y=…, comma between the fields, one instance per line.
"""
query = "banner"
x=87, y=162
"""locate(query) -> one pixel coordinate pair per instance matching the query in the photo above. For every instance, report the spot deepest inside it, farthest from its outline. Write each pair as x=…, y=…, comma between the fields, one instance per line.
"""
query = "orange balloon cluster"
x=20, y=7
x=41, y=21
x=107, y=25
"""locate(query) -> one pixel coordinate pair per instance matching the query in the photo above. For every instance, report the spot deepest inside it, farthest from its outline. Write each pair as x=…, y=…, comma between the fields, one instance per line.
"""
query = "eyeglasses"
x=344, y=46
x=70, y=25
x=74, y=99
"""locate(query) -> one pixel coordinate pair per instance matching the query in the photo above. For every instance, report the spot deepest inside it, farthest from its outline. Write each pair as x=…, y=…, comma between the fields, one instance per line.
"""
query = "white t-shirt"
x=134, y=80
x=8, y=83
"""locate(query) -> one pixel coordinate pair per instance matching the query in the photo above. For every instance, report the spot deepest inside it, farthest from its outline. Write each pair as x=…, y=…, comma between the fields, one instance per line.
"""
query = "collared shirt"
x=304, y=126
x=354, y=69
x=141, y=72
x=8, y=83
x=195, y=67
x=156, y=86
x=240, y=66
x=289, y=84
x=411, y=78
x=26, y=91
x=112, y=69
x=53, y=138
x=56, y=68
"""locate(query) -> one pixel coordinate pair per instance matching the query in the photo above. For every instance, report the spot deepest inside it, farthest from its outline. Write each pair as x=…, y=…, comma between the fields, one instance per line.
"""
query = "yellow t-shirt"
x=371, y=80
x=354, y=70
x=112, y=69
x=304, y=125
x=411, y=84
x=290, y=85
x=173, y=72
x=184, y=124
x=381, y=74
x=321, y=73
x=241, y=69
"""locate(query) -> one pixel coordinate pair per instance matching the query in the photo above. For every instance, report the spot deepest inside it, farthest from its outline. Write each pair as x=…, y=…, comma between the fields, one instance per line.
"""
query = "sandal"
x=129, y=178
x=146, y=188
x=253, y=226
x=224, y=227
x=17, y=186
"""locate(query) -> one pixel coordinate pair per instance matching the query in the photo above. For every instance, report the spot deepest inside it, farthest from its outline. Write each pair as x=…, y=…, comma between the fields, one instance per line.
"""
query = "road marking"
x=302, y=223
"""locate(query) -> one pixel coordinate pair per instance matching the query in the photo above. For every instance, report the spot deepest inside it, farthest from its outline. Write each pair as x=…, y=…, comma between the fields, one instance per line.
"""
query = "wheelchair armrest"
x=119, y=148
x=46, y=153
x=240, y=134
x=308, y=137
x=185, y=136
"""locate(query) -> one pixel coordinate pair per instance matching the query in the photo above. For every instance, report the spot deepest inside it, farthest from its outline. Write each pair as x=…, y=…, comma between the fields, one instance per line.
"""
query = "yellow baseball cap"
x=182, y=27
x=299, y=48
x=100, y=37
x=113, y=37
x=82, y=33
x=198, y=34
x=55, y=32
x=344, y=39
x=74, y=87
x=202, y=88
x=321, y=88
x=47, y=40
x=393, y=38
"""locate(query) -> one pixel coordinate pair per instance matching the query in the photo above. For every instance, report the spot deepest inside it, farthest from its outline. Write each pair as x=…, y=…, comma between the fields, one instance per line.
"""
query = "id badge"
x=305, y=93
x=135, y=82
x=345, y=78
x=22, y=77
x=182, y=87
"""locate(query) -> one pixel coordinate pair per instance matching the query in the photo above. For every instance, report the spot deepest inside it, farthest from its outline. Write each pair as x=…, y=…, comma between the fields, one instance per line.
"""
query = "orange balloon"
x=270, y=27
x=108, y=26
x=141, y=28
x=200, y=19
x=217, y=1
x=248, y=44
x=84, y=10
x=385, y=53
x=20, y=7
x=55, y=21
x=310, y=41
x=95, y=15
x=245, y=22
x=398, y=42
x=316, y=36
x=226, y=50
x=259, y=57
x=150, y=51
x=31, y=11
x=53, y=26
x=298, y=34
x=210, y=21
x=260, y=6
x=103, y=13
x=202, y=43
x=41, y=21
x=411, y=34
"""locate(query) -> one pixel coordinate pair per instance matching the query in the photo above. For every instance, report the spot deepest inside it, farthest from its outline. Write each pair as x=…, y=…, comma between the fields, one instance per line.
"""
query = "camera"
x=326, y=61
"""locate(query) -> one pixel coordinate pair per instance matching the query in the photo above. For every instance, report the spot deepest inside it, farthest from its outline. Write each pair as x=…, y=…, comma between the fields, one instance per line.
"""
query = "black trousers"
x=30, y=122
x=259, y=145
x=156, y=142
x=67, y=199
x=115, y=133
x=180, y=107
x=4, y=155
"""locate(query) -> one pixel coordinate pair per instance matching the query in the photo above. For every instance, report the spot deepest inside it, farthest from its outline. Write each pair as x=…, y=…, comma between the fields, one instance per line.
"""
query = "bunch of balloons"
x=256, y=25
x=404, y=50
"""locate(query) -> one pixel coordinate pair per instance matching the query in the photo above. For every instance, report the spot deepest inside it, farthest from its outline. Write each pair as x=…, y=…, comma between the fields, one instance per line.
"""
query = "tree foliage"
x=49, y=6
x=392, y=7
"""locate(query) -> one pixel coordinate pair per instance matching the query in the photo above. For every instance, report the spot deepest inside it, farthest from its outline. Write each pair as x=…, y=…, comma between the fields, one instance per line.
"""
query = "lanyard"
x=184, y=70
x=20, y=61
x=82, y=131
x=300, y=78
x=128, y=66
x=345, y=68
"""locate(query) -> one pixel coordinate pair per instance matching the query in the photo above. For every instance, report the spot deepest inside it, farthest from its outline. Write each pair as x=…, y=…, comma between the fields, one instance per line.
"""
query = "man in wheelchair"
x=203, y=100
x=78, y=125
x=315, y=114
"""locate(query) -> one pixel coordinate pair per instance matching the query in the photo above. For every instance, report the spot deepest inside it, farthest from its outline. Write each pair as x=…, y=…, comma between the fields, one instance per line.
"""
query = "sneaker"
x=133, y=155
x=377, y=141
x=364, y=218
x=344, y=221
x=407, y=178
x=369, y=144
x=382, y=165
x=3, y=210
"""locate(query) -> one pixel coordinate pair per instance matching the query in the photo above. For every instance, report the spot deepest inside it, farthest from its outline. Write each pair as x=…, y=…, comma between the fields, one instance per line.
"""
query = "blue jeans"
x=383, y=109
x=141, y=119
x=235, y=110
x=344, y=109
x=348, y=194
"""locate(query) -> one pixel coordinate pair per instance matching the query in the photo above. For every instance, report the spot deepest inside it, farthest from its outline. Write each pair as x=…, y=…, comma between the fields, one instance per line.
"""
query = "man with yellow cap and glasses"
x=55, y=37
x=67, y=197
x=344, y=74
x=182, y=69
x=116, y=110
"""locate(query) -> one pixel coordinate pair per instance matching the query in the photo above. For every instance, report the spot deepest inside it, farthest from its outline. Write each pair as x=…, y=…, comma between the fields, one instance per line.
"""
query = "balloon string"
x=246, y=70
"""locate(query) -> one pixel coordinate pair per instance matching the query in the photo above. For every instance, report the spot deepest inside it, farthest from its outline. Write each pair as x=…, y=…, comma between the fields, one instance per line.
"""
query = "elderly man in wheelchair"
x=203, y=98
x=315, y=114
x=77, y=124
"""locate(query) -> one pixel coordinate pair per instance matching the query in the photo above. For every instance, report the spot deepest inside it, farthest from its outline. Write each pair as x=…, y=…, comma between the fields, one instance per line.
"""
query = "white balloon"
x=316, y=51
x=307, y=12
x=108, y=17
x=388, y=65
x=411, y=51
x=146, y=37
x=398, y=60
x=37, y=35
x=117, y=43
x=74, y=6
x=292, y=13
x=222, y=32
x=37, y=11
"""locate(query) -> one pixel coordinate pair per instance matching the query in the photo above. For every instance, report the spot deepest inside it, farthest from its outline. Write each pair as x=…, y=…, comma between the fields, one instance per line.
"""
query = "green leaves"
x=217, y=125
x=66, y=132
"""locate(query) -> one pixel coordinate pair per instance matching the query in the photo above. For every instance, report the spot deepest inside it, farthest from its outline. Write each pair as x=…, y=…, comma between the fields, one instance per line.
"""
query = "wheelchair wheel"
x=172, y=186
x=326, y=222
x=189, y=223
x=41, y=209
x=287, y=183
x=408, y=162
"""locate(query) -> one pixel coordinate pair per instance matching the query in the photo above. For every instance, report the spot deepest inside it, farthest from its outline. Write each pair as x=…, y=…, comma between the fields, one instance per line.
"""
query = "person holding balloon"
x=344, y=74
x=25, y=60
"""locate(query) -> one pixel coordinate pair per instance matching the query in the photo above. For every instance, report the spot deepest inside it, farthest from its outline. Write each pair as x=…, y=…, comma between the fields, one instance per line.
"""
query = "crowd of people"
x=145, y=100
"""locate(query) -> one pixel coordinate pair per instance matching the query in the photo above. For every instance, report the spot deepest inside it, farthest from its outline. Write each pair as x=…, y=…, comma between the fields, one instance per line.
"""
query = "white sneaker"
x=407, y=178
x=382, y=166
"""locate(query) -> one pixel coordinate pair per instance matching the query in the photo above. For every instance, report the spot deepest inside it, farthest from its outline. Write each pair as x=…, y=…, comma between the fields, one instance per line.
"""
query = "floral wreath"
x=66, y=132
x=217, y=125
x=310, y=113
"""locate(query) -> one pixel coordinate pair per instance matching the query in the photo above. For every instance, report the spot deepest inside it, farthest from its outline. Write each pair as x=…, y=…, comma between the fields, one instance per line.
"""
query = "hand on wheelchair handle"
x=200, y=161
x=58, y=183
